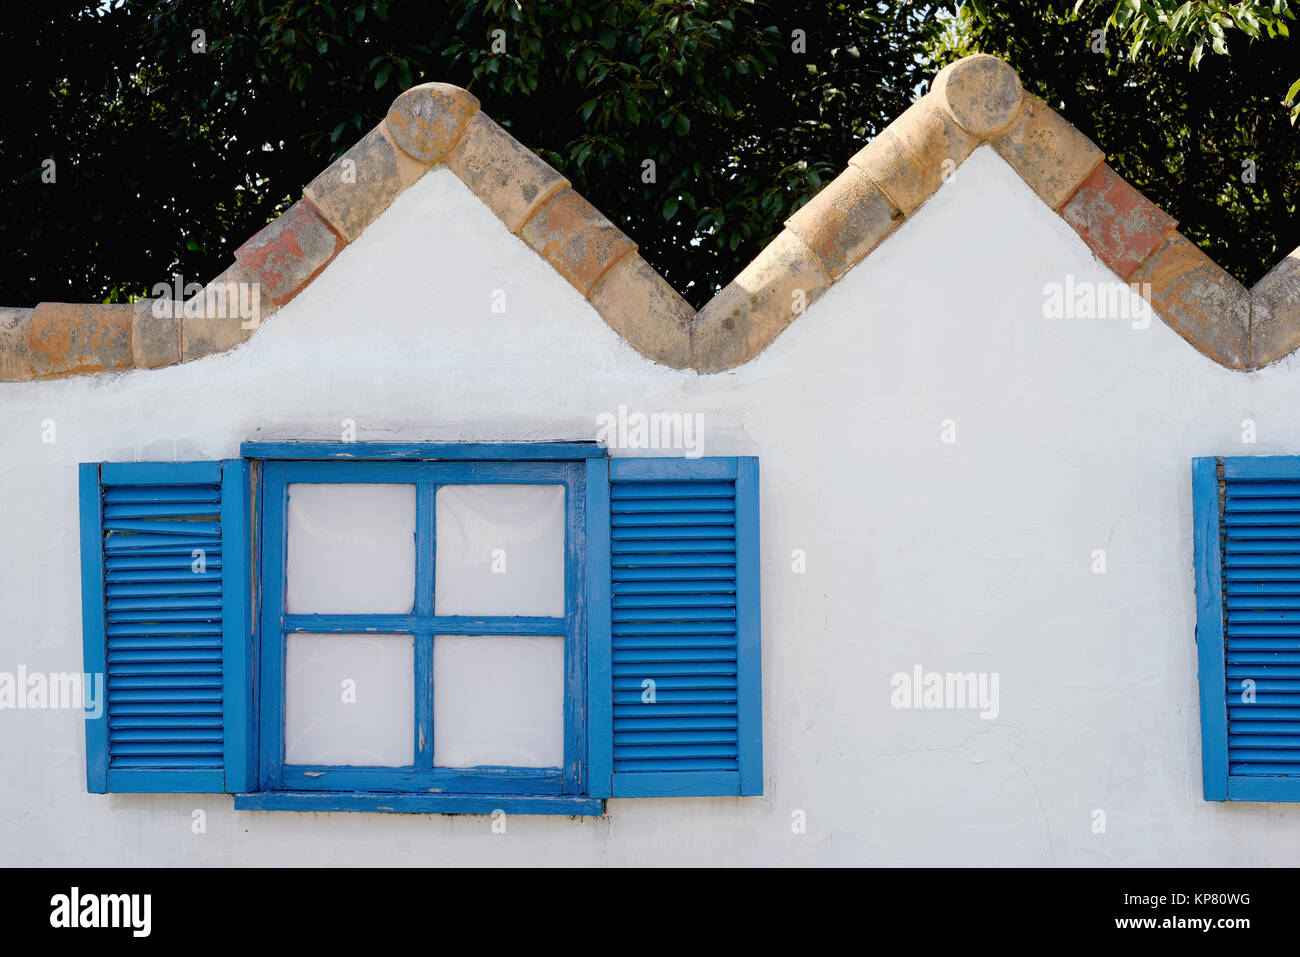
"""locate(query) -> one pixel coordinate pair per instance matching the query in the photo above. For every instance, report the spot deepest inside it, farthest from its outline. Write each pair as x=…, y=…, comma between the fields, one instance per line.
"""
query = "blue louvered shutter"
x=676, y=679
x=166, y=621
x=1247, y=544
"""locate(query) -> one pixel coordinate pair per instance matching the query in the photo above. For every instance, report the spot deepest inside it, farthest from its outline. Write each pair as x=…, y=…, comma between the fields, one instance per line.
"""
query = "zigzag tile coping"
x=976, y=100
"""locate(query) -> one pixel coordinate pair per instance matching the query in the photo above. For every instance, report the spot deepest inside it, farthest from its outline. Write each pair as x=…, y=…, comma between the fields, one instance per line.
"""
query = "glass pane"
x=498, y=701
x=351, y=549
x=500, y=550
x=349, y=699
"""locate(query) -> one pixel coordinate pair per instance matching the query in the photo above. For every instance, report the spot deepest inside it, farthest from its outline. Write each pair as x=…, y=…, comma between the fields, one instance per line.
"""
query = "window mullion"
x=425, y=556
x=424, y=699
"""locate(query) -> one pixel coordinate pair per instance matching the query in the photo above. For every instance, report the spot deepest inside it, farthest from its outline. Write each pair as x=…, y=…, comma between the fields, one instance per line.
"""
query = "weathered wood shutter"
x=1247, y=543
x=677, y=682
x=165, y=607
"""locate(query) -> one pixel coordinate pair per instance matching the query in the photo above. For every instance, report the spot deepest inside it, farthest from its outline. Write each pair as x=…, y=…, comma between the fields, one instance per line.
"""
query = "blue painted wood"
x=425, y=576
x=575, y=625
x=410, y=624
x=1256, y=467
x=270, y=687
x=160, y=473
x=426, y=552
x=406, y=803
x=1260, y=582
x=427, y=473
x=237, y=627
x=166, y=781
x=749, y=679
x=1209, y=629
x=664, y=469
x=423, y=699
x=485, y=780
x=677, y=784
x=174, y=643
x=686, y=671
x=600, y=701
x=1271, y=789
x=94, y=648
x=277, y=476
x=423, y=451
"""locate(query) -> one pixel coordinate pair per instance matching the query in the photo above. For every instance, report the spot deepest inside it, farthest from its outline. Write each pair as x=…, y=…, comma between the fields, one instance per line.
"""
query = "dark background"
x=168, y=159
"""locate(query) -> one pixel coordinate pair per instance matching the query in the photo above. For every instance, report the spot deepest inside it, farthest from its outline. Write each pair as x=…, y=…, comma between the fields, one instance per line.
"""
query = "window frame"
x=427, y=465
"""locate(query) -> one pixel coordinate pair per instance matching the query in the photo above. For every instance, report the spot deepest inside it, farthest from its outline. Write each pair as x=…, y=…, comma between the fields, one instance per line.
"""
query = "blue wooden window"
x=660, y=625
x=1247, y=557
x=422, y=775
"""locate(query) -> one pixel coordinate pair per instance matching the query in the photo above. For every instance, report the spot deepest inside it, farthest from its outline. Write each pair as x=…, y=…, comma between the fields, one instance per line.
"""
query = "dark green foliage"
x=168, y=158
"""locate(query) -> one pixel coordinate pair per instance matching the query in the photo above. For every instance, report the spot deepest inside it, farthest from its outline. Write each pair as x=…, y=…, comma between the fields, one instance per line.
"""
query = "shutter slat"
x=156, y=510
x=1257, y=713
x=692, y=611
x=155, y=531
x=128, y=567
x=188, y=721
x=171, y=695
x=662, y=490
x=663, y=695
x=676, y=560
x=1288, y=575
x=631, y=643
x=704, y=674
x=687, y=723
x=134, y=543
x=118, y=494
x=667, y=764
x=664, y=590
x=670, y=747
x=633, y=547
x=171, y=615
x=1266, y=728
x=169, y=588
x=179, y=711
x=642, y=655
x=1258, y=602
x=1240, y=504
x=674, y=709
x=703, y=573
x=684, y=505
x=178, y=762
x=673, y=601
x=145, y=736
x=629, y=533
x=163, y=644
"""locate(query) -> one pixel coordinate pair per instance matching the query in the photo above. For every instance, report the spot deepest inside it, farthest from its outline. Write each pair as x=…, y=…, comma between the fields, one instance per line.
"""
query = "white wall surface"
x=1072, y=435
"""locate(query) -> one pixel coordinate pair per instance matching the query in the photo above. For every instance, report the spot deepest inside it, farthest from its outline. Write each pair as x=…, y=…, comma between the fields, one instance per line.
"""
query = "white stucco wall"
x=1072, y=435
